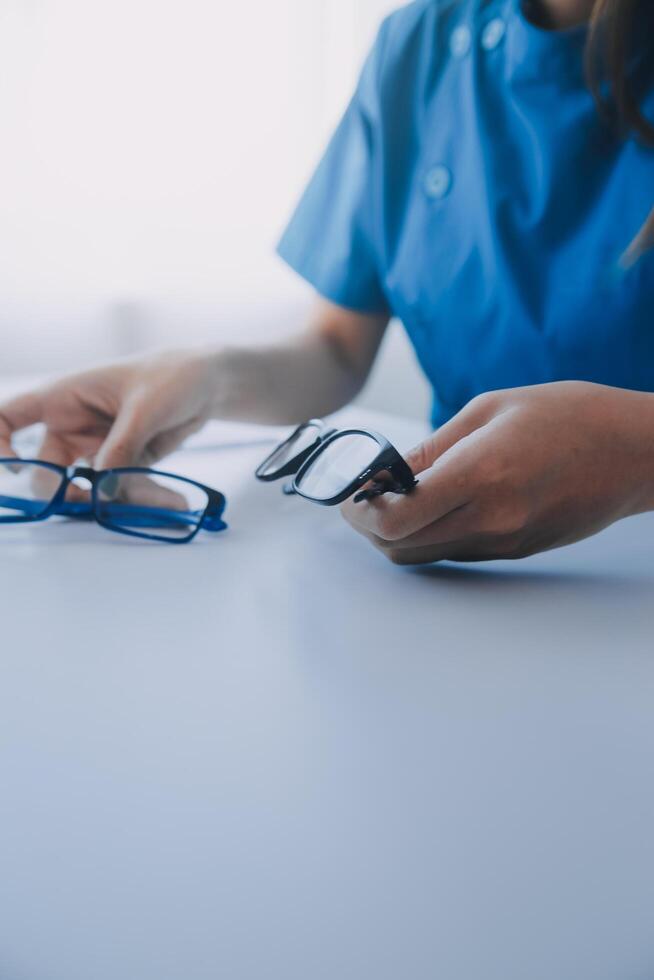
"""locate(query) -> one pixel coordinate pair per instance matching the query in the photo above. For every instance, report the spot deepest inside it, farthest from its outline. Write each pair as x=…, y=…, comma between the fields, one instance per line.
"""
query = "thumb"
x=18, y=413
x=475, y=414
x=127, y=438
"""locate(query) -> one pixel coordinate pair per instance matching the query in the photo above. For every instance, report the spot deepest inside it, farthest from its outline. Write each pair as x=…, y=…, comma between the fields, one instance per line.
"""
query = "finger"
x=55, y=449
x=166, y=442
x=127, y=438
x=460, y=551
x=466, y=549
x=16, y=414
x=445, y=487
x=475, y=414
x=460, y=524
x=144, y=491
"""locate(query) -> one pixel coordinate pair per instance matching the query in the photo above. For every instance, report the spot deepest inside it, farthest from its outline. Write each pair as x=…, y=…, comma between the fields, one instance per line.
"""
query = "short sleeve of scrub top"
x=330, y=240
x=473, y=190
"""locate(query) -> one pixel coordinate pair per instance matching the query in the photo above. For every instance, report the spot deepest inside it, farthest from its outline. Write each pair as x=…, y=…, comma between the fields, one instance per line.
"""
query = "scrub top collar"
x=540, y=53
x=537, y=52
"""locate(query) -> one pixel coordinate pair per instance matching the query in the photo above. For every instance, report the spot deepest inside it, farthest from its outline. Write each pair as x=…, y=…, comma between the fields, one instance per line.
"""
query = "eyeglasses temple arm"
x=378, y=488
x=137, y=515
x=153, y=516
x=38, y=508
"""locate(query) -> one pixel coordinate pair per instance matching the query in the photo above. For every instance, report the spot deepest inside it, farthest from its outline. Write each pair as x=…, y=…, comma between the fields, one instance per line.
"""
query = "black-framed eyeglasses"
x=330, y=465
x=142, y=502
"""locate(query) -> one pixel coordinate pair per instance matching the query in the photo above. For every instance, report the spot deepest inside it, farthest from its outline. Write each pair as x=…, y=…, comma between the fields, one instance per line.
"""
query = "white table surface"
x=271, y=755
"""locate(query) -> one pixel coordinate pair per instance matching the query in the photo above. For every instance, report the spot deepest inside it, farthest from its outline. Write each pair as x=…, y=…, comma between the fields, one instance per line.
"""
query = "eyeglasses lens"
x=338, y=465
x=150, y=504
x=26, y=489
x=300, y=441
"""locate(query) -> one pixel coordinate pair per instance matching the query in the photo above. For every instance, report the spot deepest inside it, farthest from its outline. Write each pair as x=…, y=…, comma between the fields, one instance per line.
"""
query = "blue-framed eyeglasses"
x=133, y=500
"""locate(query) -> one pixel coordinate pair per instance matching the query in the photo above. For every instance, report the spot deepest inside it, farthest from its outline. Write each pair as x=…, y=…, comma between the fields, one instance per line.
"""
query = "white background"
x=151, y=153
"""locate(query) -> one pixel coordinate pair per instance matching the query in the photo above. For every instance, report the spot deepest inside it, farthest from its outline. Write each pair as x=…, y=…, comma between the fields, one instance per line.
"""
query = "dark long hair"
x=613, y=27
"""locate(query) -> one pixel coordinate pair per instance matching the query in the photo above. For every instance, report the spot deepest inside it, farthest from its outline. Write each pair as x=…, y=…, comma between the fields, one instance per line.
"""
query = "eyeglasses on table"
x=330, y=465
x=138, y=501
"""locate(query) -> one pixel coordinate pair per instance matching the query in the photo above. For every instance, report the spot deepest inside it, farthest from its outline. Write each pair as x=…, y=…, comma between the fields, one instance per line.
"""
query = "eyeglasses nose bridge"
x=73, y=473
x=82, y=473
x=82, y=483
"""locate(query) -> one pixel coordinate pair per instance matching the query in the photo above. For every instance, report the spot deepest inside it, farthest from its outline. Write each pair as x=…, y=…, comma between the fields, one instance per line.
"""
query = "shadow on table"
x=496, y=576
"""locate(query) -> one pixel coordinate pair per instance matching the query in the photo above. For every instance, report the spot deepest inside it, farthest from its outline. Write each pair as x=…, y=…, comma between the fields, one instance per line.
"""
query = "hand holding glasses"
x=330, y=465
x=141, y=502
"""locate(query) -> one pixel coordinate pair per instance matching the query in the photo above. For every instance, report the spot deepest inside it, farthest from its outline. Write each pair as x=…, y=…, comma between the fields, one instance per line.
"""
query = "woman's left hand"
x=519, y=471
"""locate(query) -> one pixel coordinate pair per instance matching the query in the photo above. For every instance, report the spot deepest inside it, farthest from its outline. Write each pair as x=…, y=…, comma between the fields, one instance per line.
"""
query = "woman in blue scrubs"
x=492, y=185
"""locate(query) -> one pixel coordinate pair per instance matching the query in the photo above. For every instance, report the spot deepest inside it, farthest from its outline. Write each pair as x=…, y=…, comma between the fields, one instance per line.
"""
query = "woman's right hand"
x=135, y=412
x=129, y=413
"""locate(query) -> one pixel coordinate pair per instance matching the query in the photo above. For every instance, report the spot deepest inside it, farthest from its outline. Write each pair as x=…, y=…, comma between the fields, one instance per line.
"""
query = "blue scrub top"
x=472, y=190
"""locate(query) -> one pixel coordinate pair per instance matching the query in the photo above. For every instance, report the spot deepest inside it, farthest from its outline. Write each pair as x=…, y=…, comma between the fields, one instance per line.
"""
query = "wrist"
x=639, y=414
x=216, y=374
x=227, y=385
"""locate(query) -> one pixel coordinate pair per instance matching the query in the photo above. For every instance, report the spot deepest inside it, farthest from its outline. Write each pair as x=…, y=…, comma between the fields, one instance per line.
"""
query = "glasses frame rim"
x=293, y=465
x=43, y=464
x=211, y=519
x=388, y=458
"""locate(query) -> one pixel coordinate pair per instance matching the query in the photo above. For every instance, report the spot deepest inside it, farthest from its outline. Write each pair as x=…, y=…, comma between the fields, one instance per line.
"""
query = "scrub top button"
x=437, y=182
x=460, y=41
x=492, y=34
